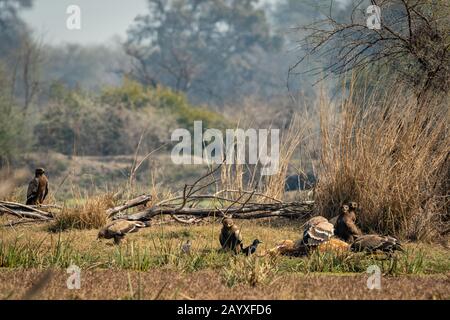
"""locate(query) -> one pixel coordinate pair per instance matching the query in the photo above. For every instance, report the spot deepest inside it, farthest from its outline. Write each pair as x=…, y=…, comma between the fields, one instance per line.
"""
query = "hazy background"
x=102, y=19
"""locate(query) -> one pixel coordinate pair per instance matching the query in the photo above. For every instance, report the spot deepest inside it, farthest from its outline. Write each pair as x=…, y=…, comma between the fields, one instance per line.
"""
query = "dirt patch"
x=161, y=284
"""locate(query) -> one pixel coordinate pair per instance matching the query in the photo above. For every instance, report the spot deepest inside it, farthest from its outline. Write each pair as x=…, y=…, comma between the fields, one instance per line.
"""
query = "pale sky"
x=101, y=20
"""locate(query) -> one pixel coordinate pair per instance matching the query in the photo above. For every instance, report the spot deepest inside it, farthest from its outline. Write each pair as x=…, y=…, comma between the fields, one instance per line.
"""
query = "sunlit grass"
x=159, y=248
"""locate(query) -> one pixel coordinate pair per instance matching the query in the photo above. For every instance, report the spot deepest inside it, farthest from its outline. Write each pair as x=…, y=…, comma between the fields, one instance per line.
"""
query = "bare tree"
x=207, y=49
x=413, y=41
x=29, y=61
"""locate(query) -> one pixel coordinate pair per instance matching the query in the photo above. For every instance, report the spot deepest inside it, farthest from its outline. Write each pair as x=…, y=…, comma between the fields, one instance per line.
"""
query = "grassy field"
x=400, y=184
x=150, y=265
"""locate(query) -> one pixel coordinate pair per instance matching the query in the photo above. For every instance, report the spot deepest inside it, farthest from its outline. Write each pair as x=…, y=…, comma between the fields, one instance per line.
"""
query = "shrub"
x=116, y=119
x=90, y=214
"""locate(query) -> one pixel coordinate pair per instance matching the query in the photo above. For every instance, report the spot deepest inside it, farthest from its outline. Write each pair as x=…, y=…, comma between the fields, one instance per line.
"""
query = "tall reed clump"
x=391, y=155
x=290, y=141
x=238, y=177
x=90, y=213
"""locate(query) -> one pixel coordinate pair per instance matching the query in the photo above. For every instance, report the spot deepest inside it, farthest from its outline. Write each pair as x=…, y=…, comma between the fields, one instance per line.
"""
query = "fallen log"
x=23, y=221
x=254, y=211
x=15, y=206
x=141, y=200
x=24, y=214
x=243, y=204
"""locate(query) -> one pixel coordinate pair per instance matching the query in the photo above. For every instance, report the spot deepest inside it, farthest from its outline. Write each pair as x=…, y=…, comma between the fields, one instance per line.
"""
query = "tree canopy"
x=209, y=49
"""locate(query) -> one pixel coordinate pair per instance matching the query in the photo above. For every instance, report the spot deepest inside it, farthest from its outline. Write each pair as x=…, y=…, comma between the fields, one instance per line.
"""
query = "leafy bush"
x=112, y=124
x=131, y=95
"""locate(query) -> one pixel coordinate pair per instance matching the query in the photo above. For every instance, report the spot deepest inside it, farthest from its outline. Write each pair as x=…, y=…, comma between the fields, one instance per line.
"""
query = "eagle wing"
x=121, y=227
x=373, y=242
x=314, y=221
x=391, y=244
x=222, y=238
x=45, y=190
x=317, y=230
x=32, y=189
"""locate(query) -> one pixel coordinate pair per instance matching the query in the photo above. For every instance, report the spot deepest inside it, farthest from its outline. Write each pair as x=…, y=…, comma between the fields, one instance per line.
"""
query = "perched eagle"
x=346, y=228
x=375, y=242
x=119, y=228
x=37, y=188
x=230, y=236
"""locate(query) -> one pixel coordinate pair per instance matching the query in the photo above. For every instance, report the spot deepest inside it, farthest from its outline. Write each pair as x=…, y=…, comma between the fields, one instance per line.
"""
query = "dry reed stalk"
x=387, y=155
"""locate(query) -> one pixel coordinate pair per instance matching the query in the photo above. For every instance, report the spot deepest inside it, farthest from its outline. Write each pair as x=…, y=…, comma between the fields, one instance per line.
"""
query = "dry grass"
x=166, y=284
x=239, y=177
x=251, y=271
x=390, y=155
x=154, y=255
x=89, y=213
x=9, y=179
x=159, y=247
x=290, y=141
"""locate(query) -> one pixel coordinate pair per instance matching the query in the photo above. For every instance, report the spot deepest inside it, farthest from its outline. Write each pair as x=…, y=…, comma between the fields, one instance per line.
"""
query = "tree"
x=413, y=41
x=14, y=137
x=26, y=71
x=208, y=49
x=11, y=26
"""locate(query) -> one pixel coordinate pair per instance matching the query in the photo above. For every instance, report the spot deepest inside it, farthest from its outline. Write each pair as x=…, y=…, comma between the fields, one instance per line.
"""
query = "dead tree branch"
x=141, y=200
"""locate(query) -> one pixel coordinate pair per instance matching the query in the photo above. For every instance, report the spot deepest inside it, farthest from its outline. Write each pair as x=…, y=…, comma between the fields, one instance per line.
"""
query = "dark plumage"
x=119, y=228
x=230, y=236
x=346, y=228
x=317, y=230
x=375, y=242
x=37, y=188
x=333, y=221
x=251, y=249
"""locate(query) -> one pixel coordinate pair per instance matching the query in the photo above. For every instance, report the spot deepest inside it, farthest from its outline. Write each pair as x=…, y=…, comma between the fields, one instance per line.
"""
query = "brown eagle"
x=230, y=237
x=119, y=228
x=37, y=188
x=375, y=242
x=346, y=228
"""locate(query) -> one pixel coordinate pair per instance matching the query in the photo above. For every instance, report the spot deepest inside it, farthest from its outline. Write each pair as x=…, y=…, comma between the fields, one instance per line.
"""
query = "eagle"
x=37, y=188
x=316, y=231
x=117, y=229
x=346, y=228
x=375, y=242
x=230, y=237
